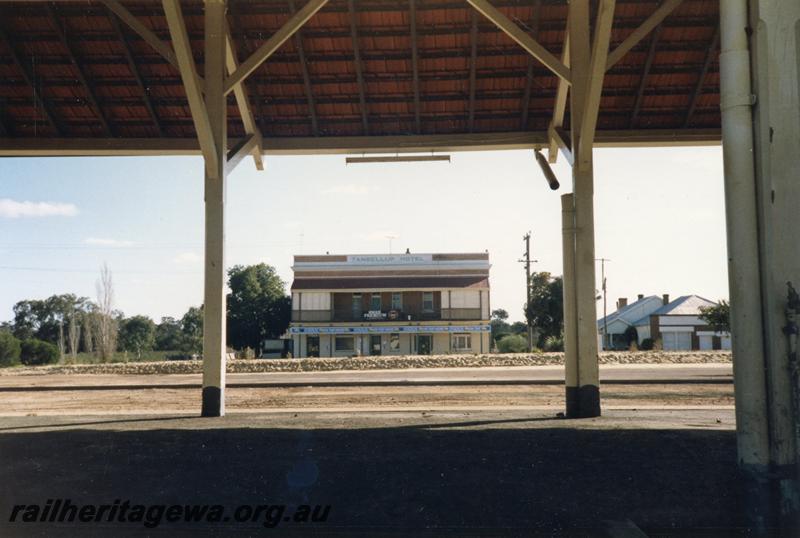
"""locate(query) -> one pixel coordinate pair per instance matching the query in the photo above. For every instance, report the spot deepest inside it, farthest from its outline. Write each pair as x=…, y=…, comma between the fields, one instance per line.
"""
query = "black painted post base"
x=212, y=402
x=583, y=402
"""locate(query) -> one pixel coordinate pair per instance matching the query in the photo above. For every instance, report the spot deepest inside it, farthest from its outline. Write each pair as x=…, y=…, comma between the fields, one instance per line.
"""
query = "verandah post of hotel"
x=214, y=313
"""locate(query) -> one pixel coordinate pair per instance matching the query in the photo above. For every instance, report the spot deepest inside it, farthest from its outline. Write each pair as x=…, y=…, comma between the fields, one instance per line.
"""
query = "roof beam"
x=560, y=138
x=412, y=18
x=248, y=145
x=301, y=57
x=526, y=94
x=560, y=104
x=340, y=145
x=37, y=97
x=148, y=103
x=473, y=57
x=701, y=79
x=242, y=99
x=87, y=87
x=144, y=32
x=191, y=84
x=522, y=38
x=273, y=43
x=667, y=7
x=596, y=75
x=362, y=98
x=648, y=63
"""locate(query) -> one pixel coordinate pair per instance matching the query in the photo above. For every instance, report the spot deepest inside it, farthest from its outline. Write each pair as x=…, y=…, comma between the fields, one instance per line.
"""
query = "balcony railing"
x=311, y=315
x=461, y=313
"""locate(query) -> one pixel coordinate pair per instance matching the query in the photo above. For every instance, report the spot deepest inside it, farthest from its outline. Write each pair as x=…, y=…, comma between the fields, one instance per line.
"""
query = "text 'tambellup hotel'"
x=390, y=304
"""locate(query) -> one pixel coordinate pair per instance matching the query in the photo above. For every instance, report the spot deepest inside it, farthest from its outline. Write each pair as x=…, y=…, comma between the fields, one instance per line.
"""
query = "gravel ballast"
x=374, y=363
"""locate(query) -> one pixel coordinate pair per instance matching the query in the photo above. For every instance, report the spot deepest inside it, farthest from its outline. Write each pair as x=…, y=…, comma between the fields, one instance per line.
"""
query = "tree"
x=35, y=352
x=137, y=335
x=168, y=334
x=513, y=343
x=44, y=319
x=499, y=325
x=9, y=349
x=192, y=330
x=107, y=325
x=717, y=316
x=74, y=335
x=258, y=307
x=545, y=311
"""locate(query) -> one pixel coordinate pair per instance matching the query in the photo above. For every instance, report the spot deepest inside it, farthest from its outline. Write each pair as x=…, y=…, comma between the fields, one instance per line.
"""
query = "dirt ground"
x=171, y=400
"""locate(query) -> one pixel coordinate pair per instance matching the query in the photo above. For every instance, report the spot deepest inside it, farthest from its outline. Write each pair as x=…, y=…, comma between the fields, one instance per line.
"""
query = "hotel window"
x=397, y=301
x=427, y=301
x=462, y=342
x=394, y=342
x=375, y=302
x=345, y=343
x=356, y=305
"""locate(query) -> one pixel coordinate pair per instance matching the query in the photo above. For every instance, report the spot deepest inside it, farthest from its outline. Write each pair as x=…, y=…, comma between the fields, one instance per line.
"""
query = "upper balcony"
x=387, y=307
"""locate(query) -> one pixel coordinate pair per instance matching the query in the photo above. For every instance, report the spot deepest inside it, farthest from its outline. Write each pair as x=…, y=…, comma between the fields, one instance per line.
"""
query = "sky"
x=659, y=218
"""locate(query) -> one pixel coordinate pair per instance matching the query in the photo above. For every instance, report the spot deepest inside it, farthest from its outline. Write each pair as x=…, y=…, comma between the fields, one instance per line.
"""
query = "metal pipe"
x=549, y=176
x=744, y=275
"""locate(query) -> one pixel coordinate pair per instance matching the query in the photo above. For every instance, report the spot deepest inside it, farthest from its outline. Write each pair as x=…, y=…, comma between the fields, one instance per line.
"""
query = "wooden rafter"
x=191, y=83
x=87, y=86
x=272, y=44
x=560, y=105
x=522, y=38
x=633, y=39
x=351, y=8
x=301, y=57
x=144, y=32
x=247, y=49
x=473, y=59
x=596, y=76
x=412, y=18
x=26, y=76
x=648, y=63
x=526, y=94
x=242, y=98
x=701, y=79
x=137, y=76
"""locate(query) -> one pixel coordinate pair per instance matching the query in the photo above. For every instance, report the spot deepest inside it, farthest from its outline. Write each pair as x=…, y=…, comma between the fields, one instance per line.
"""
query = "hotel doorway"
x=374, y=344
x=424, y=344
x=312, y=346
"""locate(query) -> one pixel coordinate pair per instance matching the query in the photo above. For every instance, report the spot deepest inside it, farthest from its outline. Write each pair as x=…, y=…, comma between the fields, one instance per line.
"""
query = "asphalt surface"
x=512, y=473
x=521, y=375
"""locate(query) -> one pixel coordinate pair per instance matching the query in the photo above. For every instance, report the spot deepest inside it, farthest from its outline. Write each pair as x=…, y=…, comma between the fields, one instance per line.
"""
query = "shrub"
x=647, y=344
x=34, y=352
x=9, y=349
x=554, y=343
x=512, y=343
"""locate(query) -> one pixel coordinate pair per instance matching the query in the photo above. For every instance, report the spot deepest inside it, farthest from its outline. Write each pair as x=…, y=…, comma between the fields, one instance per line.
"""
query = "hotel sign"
x=389, y=259
x=416, y=329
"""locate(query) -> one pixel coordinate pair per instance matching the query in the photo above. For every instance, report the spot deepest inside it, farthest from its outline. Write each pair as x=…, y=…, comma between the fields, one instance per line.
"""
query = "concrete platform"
x=476, y=473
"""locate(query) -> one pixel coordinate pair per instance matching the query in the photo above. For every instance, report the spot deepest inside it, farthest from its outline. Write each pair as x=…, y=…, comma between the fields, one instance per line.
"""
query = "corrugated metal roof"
x=43, y=93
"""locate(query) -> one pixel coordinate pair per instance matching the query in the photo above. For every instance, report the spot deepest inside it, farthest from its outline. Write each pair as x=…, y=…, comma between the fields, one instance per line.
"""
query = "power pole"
x=605, y=309
x=527, y=262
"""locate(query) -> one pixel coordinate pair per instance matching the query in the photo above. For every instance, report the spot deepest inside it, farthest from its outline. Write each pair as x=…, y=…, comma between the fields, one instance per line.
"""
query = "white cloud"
x=187, y=257
x=12, y=209
x=105, y=242
x=350, y=188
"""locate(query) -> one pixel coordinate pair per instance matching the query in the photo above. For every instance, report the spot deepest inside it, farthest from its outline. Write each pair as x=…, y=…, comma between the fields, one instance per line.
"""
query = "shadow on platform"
x=423, y=480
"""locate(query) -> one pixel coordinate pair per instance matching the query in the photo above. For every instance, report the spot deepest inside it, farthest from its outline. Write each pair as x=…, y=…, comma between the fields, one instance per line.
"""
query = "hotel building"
x=390, y=304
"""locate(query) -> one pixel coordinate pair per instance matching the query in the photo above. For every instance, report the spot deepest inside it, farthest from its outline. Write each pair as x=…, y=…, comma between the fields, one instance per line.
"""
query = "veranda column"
x=214, y=312
x=588, y=396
